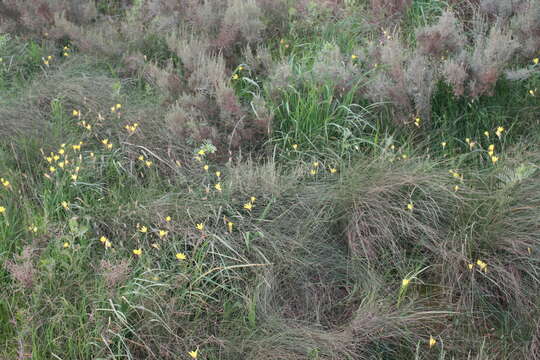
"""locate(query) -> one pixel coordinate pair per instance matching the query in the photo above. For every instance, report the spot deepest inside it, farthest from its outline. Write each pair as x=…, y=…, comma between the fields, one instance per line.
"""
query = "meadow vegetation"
x=270, y=179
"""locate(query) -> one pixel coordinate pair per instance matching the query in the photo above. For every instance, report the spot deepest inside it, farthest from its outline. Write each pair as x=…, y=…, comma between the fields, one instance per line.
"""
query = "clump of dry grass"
x=22, y=269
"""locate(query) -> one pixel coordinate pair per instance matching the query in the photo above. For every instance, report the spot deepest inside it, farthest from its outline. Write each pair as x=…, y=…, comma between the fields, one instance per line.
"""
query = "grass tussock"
x=269, y=180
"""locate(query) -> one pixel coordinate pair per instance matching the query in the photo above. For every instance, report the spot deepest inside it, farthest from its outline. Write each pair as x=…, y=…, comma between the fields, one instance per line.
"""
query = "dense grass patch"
x=269, y=180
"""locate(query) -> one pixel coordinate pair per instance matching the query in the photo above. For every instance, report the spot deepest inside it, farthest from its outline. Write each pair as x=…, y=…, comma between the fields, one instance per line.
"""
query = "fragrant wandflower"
x=432, y=342
x=137, y=252
x=181, y=256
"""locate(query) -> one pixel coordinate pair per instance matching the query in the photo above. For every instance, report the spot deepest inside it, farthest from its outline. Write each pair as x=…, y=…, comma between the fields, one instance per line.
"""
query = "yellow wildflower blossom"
x=137, y=252
x=194, y=353
x=482, y=265
x=200, y=226
x=432, y=341
x=181, y=256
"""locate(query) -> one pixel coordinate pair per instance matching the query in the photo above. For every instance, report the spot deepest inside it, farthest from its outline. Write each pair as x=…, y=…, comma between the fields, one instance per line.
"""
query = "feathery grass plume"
x=114, y=274
x=22, y=268
x=38, y=16
x=389, y=12
x=526, y=27
x=501, y=9
x=259, y=59
x=455, y=71
x=329, y=68
x=490, y=55
x=444, y=38
x=241, y=22
x=389, y=83
x=421, y=84
x=165, y=79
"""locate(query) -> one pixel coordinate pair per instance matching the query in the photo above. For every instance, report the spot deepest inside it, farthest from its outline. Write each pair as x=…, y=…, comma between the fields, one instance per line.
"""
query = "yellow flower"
x=113, y=109
x=354, y=57
x=470, y=266
x=201, y=152
x=137, y=252
x=205, y=167
x=499, y=131
x=65, y=205
x=49, y=159
x=467, y=140
x=66, y=245
x=532, y=92
x=66, y=48
x=74, y=177
x=118, y=106
x=163, y=233
x=141, y=158
x=432, y=341
x=52, y=169
x=148, y=163
x=456, y=188
x=2, y=209
x=105, y=141
x=410, y=206
x=295, y=146
x=482, y=265
x=103, y=239
x=240, y=68
x=218, y=173
x=200, y=226
x=491, y=147
x=76, y=147
x=61, y=151
x=218, y=187
x=252, y=199
x=181, y=256
x=248, y=206
x=32, y=228
x=108, y=244
x=230, y=226
x=404, y=156
x=417, y=122
x=333, y=170
x=405, y=282
x=494, y=159
x=168, y=219
x=194, y=353
x=535, y=61
x=235, y=77
x=143, y=229
x=61, y=165
x=313, y=171
x=91, y=154
x=76, y=113
x=486, y=133
x=155, y=245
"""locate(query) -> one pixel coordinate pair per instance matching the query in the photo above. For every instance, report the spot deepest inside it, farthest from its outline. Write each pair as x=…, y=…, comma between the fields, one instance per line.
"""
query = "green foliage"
x=268, y=180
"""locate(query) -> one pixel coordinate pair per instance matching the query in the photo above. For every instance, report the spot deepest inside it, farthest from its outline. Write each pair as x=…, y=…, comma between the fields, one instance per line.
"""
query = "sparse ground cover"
x=269, y=179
